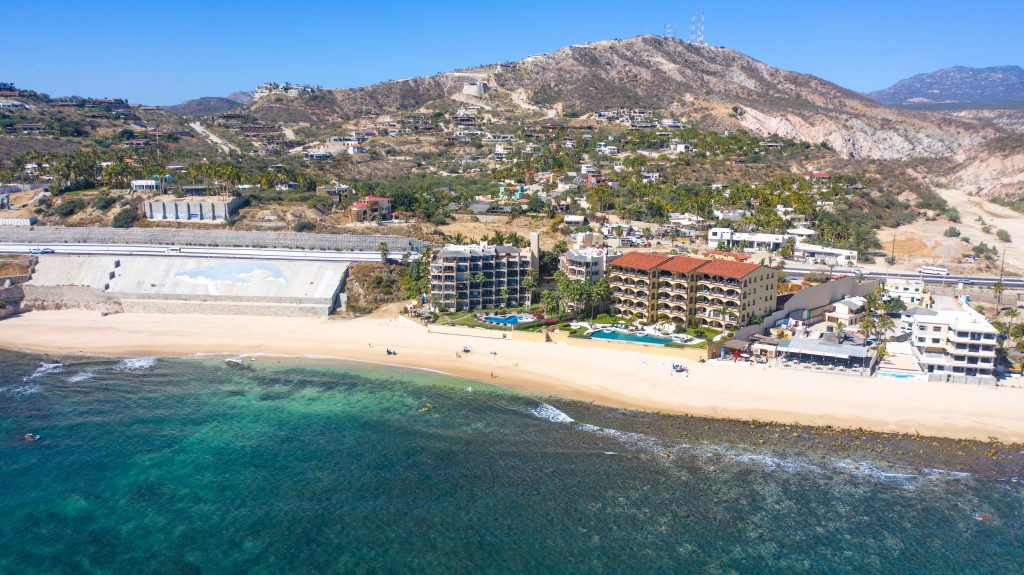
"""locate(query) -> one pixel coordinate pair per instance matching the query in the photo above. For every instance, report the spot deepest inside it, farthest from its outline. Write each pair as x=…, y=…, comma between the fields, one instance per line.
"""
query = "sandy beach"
x=622, y=378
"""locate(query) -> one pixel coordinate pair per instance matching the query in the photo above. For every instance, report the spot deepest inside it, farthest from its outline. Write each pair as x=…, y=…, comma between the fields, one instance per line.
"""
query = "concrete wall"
x=222, y=308
x=467, y=331
x=689, y=353
x=192, y=237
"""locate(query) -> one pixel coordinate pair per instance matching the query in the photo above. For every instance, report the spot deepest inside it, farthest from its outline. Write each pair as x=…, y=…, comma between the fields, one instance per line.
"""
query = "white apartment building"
x=911, y=291
x=953, y=342
x=587, y=264
x=813, y=253
x=726, y=239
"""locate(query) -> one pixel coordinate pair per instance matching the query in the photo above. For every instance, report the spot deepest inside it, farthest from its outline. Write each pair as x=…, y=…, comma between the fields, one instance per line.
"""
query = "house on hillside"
x=371, y=208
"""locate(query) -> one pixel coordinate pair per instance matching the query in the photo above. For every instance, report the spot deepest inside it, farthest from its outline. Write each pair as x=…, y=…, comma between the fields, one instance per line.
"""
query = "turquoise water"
x=188, y=466
x=508, y=320
x=633, y=337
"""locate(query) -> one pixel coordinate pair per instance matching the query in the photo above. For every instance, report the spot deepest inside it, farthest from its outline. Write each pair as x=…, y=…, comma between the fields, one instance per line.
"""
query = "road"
x=225, y=146
x=204, y=252
x=1009, y=282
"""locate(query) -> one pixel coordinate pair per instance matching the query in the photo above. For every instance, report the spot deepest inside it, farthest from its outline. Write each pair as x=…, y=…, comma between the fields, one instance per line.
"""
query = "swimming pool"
x=616, y=335
x=509, y=319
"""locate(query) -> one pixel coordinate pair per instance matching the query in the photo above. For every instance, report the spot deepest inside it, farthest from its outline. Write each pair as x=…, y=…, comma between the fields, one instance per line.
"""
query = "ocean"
x=186, y=465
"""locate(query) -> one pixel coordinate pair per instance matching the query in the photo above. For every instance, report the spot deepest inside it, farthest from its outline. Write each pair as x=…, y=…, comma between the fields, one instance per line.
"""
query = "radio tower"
x=670, y=30
x=693, y=28
x=700, y=33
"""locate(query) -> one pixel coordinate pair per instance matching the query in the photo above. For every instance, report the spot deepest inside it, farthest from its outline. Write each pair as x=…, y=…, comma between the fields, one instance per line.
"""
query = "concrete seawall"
x=141, y=284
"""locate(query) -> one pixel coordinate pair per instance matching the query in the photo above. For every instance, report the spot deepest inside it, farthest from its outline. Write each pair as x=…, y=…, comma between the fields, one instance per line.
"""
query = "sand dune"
x=626, y=378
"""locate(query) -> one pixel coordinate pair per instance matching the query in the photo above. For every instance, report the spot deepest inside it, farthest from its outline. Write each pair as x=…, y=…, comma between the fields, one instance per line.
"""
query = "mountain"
x=204, y=106
x=958, y=87
x=241, y=97
x=712, y=87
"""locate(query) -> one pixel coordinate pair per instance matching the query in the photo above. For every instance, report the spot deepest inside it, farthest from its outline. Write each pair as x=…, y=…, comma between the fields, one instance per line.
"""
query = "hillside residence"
x=481, y=276
x=813, y=253
x=144, y=185
x=210, y=209
x=725, y=238
x=371, y=208
x=953, y=342
x=911, y=291
x=720, y=294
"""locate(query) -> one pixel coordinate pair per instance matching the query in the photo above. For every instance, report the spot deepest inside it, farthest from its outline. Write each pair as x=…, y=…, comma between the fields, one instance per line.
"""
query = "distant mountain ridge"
x=204, y=106
x=958, y=87
x=708, y=86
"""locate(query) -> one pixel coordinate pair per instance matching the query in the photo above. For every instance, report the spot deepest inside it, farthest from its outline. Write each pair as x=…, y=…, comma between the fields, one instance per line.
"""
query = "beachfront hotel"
x=953, y=342
x=480, y=276
x=717, y=293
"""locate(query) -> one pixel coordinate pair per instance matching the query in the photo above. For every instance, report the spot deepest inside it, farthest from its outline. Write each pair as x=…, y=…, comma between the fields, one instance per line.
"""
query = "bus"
x=932, y=271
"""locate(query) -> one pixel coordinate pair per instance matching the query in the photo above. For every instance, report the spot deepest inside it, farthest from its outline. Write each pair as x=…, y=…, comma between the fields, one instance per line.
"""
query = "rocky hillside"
x=958, y=87
x=203, y=106
x=704, y=85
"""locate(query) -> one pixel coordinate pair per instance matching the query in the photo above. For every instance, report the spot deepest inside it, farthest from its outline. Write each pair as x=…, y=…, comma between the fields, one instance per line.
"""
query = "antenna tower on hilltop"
x=693, y=28
x=670, y=30
x=700, y=33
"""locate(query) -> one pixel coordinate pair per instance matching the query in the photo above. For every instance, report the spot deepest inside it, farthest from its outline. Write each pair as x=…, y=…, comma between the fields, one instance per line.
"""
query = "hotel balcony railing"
x=967, y=337
x=719, y=282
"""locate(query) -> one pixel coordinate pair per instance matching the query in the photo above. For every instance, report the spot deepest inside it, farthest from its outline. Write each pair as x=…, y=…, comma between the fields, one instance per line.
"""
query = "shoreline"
x=623, y=378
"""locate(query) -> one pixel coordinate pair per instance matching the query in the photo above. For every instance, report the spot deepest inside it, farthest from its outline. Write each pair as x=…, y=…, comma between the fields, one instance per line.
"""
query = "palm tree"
x=383, y=247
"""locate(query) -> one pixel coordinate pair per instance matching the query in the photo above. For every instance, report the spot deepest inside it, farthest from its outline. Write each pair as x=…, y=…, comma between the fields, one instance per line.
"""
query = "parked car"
x=40, y=251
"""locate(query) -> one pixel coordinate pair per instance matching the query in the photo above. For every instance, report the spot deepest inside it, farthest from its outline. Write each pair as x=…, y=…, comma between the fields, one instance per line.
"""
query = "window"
x=935, y=340
x=936, y=328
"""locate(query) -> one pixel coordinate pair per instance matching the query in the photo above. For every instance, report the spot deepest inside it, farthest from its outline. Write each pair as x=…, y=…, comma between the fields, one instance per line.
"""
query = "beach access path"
x=626, y=378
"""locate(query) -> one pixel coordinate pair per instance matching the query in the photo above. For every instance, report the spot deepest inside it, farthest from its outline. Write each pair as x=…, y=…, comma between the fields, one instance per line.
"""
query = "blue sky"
x=161, y=52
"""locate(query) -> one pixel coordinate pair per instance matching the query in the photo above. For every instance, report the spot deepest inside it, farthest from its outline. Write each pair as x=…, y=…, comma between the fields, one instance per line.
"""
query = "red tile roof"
x=729, y=269
x=682, y=264
x=638, y=261
x=375, y=199
x=360, y=205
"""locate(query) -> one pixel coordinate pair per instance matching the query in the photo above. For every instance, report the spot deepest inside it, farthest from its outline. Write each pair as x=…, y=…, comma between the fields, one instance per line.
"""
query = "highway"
x=792, y=271
x=202, y=252
x=1009, y=282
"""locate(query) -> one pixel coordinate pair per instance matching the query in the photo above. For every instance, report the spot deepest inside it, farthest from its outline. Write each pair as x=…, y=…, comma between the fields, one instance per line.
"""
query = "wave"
x=637, y=441
x=45, y=368
x=80, y=377
x=24, y=390
x=896, y=475
x=552, y=414
x=136, y=364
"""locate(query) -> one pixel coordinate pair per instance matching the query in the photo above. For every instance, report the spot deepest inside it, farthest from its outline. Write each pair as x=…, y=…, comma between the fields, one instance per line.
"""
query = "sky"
x=160, y=52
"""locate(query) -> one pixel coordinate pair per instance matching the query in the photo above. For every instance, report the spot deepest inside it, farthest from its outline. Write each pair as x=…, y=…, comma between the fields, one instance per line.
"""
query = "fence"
x=188, y=237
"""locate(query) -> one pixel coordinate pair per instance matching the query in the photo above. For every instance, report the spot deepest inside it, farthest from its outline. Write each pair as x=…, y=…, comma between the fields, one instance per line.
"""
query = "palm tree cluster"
x=574, y=296
x=876, y=321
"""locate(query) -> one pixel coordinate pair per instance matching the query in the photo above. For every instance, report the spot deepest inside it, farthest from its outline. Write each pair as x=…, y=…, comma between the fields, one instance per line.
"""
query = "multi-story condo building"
x=716, y=293
x=480, y=276
x=587, y=264
x=953, y=342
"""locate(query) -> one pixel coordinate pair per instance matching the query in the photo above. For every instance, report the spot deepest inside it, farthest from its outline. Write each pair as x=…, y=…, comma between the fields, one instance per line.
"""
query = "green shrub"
x=304, y=226
x=103, y=202
x=124, y=218
x=1004, y=235
x=951, y=232
x=70, y=207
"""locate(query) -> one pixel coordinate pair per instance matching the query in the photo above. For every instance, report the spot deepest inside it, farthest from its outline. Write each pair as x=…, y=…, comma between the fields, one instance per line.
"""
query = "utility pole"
x=998, y=288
